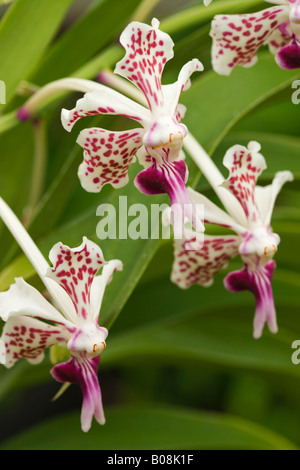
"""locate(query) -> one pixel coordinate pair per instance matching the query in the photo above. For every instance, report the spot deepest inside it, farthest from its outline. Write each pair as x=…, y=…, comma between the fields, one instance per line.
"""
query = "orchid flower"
x=34, y=324
x=158, y=139
x=254, y=241
x=237, y=38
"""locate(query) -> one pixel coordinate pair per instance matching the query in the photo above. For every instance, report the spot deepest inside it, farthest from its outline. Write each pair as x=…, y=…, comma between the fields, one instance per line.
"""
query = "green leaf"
x=216, y=103
x=91, y=33
x=25, y=32
x=206, y=325
x=151, y=428
x=280, y=151
x=198, y=14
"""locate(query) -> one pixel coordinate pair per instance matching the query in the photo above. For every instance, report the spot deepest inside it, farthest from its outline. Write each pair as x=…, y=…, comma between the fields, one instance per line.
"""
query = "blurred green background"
x=181, y=370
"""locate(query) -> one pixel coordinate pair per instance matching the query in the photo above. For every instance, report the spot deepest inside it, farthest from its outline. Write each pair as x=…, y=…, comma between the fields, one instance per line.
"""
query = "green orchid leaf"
x=25, y=32
x=152, y=427
x=89, y=35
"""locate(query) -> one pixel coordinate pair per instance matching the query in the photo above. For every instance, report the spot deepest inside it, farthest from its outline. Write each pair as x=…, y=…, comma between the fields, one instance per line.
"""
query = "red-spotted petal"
x=26, y=338
x=106, y=102
x=244, y=165
x=199, y=266
x=237, y=38
x=74, y=270
x=147, y=50
x=107, y=157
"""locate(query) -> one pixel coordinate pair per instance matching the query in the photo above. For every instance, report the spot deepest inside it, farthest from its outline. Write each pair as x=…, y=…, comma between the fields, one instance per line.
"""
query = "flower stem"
x=198, y=14
x=23, y=239
x=45, y=93
x=143, y=10
x=124, y=86
x=111, y=55
x=107, y=58
x=212, y=174
x=27, y=89
x=62, y=390
x=34, y=255
x=8, y=121
x=39, y=165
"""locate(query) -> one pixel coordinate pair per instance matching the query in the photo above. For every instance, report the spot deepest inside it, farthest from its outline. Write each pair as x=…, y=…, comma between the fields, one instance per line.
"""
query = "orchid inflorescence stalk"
x=32, y=323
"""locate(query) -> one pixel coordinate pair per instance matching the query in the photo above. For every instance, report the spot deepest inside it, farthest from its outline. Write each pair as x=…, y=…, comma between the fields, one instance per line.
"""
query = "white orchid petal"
x=173, y=91
x=266, y=196
x=23, y=299
x=99, y=284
